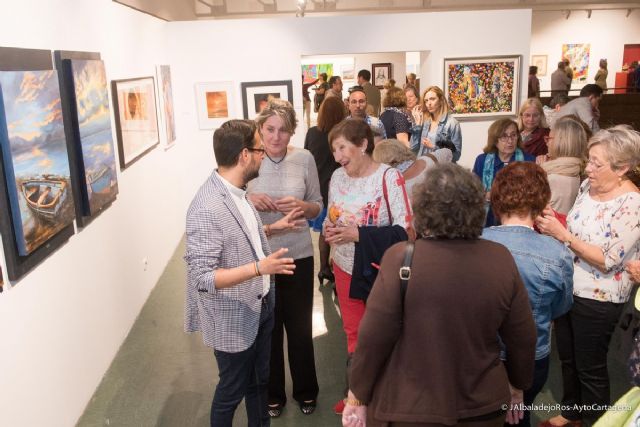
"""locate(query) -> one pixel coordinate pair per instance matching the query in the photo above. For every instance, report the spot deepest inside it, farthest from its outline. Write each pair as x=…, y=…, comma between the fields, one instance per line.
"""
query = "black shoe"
x=326, y=275
x=307, y=408
x=275, y=410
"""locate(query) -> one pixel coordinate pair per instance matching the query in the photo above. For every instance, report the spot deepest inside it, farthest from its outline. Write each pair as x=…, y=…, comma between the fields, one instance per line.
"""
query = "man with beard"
x=229, y=294
x=358, y=110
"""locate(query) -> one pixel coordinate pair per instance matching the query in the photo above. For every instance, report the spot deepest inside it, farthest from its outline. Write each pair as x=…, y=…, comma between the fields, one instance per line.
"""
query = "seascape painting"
x=578, y=56
x=100, y=185
x=35, y=157
x=482, y=86
x=166, y=102
x=215, y=103
x=217, y=106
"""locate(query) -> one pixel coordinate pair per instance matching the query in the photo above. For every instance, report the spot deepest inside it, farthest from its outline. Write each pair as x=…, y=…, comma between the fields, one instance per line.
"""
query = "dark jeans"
x=245, y=375
x=293, y=312
x=582, y=337
x=540, y=375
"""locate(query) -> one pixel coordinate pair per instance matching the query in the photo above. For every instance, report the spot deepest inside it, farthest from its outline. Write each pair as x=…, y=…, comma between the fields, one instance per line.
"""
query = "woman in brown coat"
x=436, y=361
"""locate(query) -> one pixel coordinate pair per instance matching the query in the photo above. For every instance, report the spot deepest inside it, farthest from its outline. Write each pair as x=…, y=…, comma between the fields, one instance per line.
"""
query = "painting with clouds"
x=35, y=156
x=100, y=185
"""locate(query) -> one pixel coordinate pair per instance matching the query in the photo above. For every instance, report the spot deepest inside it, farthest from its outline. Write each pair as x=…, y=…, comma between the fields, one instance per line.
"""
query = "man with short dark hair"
x=229, y=294
x=372, y=92
x=335, y=87
x=358, y=110
x=585, y=107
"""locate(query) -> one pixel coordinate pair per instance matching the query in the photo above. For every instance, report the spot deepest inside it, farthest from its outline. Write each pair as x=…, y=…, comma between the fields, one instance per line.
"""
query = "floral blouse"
x=360, y=201
x=614, y=226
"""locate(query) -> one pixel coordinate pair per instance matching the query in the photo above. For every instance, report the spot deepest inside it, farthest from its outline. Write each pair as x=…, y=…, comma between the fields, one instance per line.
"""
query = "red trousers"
x=351, y=309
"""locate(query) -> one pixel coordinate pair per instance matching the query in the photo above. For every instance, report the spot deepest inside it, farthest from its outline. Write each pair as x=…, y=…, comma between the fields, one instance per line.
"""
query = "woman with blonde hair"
x=439, y=128
x=567, y=156
x=533, y=128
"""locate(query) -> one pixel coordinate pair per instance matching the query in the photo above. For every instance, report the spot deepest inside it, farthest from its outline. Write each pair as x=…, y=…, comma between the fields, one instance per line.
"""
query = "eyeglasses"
x=595, y=165
x=508, y=137
x=531, y=116
x=256, y=150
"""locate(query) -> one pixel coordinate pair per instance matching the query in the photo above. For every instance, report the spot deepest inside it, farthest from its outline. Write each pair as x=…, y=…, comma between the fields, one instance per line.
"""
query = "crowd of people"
x=451, y=283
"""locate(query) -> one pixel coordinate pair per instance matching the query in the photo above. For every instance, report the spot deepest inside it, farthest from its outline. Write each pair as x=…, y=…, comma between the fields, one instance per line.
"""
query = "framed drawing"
x=482, y=87
x=136, y=121
x=578, y=56
x=36, y=198
x=165, y=97
x=381, y=73
x=540, y=61
x=215, y=103
x=87, y=120
x=255, y=95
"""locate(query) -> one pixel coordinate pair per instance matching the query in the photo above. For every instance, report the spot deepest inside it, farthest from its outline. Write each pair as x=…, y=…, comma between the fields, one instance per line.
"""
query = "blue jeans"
x=245, y=375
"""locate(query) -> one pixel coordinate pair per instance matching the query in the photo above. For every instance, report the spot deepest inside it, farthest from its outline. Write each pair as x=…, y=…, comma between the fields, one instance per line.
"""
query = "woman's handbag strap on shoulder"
x=405, y=270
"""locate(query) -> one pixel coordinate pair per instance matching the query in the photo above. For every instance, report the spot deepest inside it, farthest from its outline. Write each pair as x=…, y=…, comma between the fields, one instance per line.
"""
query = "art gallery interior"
x=63, y=322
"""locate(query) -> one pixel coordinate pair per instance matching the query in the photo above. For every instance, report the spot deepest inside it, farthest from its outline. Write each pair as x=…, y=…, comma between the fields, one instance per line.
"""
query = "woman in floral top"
x=356, y=199
x=604, y=234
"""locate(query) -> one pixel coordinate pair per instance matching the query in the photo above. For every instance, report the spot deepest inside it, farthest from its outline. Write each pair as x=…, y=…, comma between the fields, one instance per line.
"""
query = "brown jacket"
x=440, y=363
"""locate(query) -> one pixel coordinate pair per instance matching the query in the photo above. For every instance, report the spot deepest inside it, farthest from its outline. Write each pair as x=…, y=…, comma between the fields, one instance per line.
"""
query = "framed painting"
x=540, y=61
x=255, y=95
x=15, y=118
x=381, y=73
x=348, y=72
x=215, y=103
x=136, y=120
x=310, y=72
x=87, y=119
x=578, y=56
x=165, y=97
x=482, y=87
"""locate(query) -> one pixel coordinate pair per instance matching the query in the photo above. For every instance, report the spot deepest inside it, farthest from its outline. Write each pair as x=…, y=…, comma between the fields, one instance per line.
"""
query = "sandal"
x=275, y=410
x=308, y=406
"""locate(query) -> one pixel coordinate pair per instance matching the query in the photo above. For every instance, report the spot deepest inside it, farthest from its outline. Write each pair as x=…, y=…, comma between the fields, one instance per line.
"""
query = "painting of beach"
x=35, y=158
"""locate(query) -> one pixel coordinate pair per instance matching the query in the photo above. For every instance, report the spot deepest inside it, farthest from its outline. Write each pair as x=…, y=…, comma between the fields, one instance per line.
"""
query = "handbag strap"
x=385, y=194
x=405, y=270
x=408, y=218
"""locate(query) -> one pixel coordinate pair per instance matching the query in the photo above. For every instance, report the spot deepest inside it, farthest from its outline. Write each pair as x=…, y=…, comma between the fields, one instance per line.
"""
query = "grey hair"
x=622, y=145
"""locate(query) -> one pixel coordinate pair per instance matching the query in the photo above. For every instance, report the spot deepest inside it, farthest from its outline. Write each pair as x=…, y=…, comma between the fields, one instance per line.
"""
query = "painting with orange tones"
x=35, y=160
x=215, y=103
x=578, y=56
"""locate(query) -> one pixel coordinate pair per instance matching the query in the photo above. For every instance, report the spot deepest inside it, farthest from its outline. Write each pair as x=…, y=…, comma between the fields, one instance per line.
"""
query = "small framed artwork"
x=348, y=72
x=136, y=119
x=381, y=73
x=540, y=61
x=482, y=87
x=255, y=95
x=165, y=98
x=215, y=103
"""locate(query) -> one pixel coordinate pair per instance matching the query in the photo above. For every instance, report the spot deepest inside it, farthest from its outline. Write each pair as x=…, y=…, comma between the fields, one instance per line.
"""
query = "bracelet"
x=355, y=402
x=256, y=268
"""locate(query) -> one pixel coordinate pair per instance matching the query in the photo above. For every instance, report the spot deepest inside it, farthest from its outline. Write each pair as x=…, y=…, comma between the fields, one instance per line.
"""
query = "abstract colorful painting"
x=578, y=56
x=215, y=103
x=311, y=72
x=166, y=103
x=35, y=157
x=100, y=182
x=478, y=87
x=136, y=120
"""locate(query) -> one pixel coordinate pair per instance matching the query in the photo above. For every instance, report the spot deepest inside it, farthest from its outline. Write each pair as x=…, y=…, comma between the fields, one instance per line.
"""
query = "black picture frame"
x=62, y=60
x=252, y=89
x=119, y=113
x=386, y=69
x=18, y=59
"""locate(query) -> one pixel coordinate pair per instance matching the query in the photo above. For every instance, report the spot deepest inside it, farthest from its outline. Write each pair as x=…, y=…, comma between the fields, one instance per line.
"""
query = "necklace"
x=276, y=165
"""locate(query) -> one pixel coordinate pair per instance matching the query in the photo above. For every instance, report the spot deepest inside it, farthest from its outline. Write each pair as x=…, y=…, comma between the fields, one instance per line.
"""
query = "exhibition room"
x=107, y=116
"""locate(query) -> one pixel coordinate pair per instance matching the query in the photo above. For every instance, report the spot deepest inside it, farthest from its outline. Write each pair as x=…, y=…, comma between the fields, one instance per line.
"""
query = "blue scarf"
x=489, y=163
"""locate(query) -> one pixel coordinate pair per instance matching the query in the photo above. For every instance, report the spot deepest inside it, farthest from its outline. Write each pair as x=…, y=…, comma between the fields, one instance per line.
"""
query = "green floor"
x=164, y=377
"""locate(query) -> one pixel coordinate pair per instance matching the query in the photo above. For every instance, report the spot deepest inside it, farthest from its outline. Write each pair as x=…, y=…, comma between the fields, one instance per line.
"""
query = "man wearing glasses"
x=358, y=110
x=229, y=294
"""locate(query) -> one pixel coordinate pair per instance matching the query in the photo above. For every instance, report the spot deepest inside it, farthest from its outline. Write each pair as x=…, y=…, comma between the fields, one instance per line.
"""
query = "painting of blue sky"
x=35, y=156
x=96, y=139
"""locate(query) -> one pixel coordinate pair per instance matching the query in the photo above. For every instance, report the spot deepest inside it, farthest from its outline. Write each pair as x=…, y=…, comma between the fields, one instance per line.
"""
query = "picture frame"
x=135, y=111
x=578, y=55
x=540, y=61
x=18, y=59
x=381, y=73
x=256, y=94
x=348, y=72
x=86, y=113
x=482, y=87
x=165, y=102
x=215, y=103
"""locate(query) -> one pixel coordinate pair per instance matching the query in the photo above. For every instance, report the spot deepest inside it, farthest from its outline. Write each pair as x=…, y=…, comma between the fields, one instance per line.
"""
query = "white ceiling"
x=180, y=10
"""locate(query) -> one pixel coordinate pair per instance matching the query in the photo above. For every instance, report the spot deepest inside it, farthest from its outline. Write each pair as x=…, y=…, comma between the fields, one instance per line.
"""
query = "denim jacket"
x=546, y=268
x=448, y=129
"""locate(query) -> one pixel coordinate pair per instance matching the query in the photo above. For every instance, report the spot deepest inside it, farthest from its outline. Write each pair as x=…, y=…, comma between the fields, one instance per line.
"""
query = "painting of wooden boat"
x=45, y=197
x=100, y=182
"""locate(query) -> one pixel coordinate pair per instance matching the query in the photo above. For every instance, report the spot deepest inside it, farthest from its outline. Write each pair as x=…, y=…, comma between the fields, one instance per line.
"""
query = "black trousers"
x=582, y=337
x=293, y=311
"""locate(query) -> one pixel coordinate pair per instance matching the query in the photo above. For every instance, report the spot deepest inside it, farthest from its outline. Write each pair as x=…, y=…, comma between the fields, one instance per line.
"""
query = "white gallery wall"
x=607, y=31
x=62, y=324
x=270, y=49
